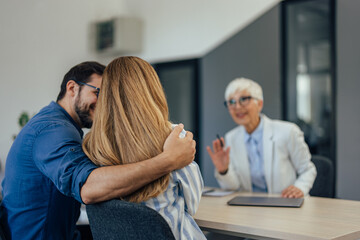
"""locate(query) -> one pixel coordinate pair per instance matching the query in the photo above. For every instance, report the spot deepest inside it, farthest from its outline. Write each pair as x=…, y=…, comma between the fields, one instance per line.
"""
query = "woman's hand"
x=292, y=192
x=180, y=151
x=220, y=156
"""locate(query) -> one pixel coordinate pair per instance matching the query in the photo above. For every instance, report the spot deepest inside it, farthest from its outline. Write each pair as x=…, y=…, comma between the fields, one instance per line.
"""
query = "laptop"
x=266, y=201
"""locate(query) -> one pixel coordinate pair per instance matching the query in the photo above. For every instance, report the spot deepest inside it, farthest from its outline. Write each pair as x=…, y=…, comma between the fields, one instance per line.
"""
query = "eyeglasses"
x=98, y=89
x=243, y=101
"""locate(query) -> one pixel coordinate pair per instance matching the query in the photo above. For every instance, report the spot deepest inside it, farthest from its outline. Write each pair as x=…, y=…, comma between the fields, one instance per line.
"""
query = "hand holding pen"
x=219, y=155
x=221, y=141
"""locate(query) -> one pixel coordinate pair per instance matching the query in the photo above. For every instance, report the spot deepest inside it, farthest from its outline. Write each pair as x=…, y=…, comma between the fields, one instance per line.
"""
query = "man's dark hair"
x=80, y=73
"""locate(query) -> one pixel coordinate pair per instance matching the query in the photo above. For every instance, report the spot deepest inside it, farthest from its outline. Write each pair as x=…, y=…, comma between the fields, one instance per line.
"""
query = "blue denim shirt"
x=45, y=170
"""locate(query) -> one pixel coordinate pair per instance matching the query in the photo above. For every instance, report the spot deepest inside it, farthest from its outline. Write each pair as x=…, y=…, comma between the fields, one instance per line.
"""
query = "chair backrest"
x=2, y=232
x=116, y=219
x=324, y=182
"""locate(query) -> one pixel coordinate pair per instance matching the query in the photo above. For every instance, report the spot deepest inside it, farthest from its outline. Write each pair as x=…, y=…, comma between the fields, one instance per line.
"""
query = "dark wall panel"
x=253, y=53
x=348, y=98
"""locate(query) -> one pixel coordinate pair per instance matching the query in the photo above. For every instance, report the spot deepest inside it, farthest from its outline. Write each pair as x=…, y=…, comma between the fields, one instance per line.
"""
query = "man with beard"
x=48, y=176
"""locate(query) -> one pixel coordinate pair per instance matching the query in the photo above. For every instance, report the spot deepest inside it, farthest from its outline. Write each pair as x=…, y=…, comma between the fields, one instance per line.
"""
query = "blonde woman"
x=131, y=124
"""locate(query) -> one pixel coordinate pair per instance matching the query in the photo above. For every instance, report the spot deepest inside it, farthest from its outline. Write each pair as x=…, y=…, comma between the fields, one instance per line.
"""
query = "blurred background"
x=304, y=53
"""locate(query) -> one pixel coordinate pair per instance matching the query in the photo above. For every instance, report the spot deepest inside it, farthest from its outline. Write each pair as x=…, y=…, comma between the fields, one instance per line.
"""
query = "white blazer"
x=286, y=159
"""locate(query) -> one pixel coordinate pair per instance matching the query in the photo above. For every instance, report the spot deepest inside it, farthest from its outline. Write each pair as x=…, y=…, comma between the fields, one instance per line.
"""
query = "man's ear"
x=72, y=88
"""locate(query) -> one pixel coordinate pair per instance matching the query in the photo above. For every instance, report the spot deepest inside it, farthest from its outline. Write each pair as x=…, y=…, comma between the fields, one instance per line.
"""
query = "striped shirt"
x=180, y=201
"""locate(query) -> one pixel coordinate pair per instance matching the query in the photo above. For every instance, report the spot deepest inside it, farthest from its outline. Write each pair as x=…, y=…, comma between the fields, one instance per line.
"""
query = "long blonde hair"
x=131, y=120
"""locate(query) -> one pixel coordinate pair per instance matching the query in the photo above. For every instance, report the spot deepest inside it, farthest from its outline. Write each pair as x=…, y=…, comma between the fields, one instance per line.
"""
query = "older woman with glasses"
x=261, y=154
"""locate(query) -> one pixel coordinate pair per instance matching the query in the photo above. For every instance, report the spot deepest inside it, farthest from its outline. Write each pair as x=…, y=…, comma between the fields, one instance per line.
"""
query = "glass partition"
x=180, y=81
x=309, y=72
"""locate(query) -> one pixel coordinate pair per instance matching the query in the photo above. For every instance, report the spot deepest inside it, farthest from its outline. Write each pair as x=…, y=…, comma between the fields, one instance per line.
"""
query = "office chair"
x=2, y=234
x=324, y=182
x=116, y=219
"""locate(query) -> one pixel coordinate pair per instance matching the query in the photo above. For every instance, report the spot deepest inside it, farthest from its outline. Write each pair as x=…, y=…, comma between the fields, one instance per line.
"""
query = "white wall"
x=182, y=29
x=40, y=40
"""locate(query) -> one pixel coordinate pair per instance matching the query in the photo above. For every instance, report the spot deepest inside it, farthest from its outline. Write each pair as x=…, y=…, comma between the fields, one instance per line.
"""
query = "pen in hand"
x=221, y=143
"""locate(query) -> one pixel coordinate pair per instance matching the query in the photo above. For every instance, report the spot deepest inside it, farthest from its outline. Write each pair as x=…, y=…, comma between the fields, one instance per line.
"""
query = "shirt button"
x=72, y=149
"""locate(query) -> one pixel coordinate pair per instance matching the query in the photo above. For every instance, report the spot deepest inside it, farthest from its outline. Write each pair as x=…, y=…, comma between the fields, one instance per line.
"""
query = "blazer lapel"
x=268, y=145
x=242, y=158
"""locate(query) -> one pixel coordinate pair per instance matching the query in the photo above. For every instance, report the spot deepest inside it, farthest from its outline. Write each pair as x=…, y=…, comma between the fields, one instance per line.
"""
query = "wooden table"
x=317, y=218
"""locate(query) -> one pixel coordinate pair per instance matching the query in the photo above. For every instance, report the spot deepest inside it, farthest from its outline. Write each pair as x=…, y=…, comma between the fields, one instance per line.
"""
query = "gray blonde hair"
x=241, y=84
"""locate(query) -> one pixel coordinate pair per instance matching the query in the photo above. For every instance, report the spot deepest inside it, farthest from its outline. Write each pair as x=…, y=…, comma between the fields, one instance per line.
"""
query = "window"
x=309, y=71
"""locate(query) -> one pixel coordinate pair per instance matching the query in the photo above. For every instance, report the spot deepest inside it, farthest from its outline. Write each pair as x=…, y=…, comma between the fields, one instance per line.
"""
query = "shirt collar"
x=257, y=133
x=67, y=115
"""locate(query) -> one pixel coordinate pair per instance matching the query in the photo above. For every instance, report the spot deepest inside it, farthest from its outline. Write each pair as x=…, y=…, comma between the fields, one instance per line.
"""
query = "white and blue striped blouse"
x=180, y=201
